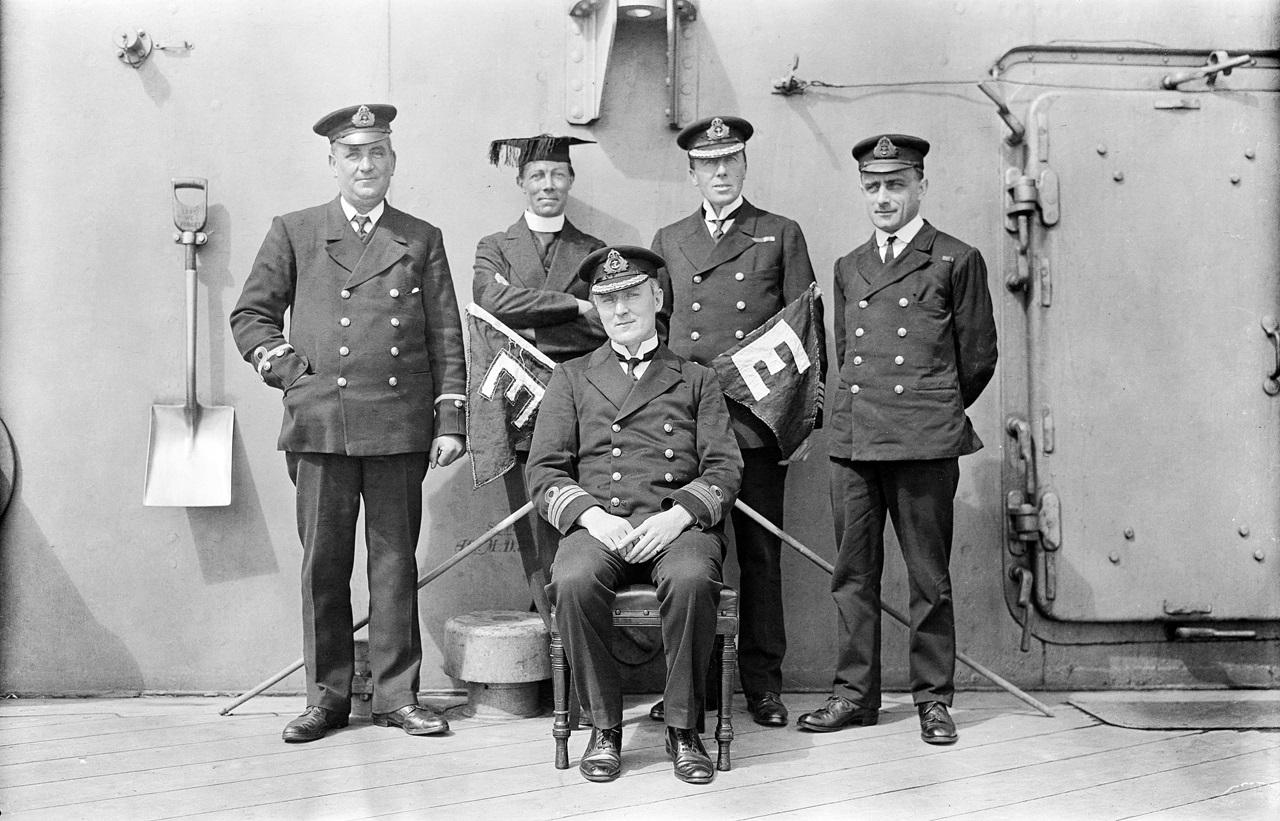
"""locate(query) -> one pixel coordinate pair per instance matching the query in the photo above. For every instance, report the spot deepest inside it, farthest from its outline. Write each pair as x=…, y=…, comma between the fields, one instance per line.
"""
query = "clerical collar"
x=374, y=214
x=904, y=234
x=648, y=345
x=709, y=213
x=544, y=225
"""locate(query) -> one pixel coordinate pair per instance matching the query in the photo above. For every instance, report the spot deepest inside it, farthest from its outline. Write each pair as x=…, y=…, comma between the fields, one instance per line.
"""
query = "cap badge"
x=614, y=263
x=363, y=118
x=718, y=130
x=885, y=149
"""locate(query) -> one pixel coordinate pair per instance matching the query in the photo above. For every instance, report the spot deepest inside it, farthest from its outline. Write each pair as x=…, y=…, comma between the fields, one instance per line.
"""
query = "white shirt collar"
x=545, y=225
x=646, y=346
x=904, y=234
x=709, y=213
x=374, y=215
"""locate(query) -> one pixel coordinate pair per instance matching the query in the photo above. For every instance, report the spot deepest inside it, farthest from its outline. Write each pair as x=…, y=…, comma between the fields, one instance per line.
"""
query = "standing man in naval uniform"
x=730, y=267
x=374, y=383
x=527, y=277
x=916, y=345
x=633, y=462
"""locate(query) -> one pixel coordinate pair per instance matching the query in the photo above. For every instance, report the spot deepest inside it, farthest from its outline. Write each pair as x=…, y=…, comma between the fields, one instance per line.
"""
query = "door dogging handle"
x=1272, y=329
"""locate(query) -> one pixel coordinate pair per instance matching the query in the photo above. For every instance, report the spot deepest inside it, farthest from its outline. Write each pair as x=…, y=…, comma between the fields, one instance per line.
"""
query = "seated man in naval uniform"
x=634, y=463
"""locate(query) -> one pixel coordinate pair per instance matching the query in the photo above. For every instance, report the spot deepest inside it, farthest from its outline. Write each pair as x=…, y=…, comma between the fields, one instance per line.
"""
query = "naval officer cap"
x=715, y=137
x=890, y=152
x=357, y=124
x=618, y=267
x=518, y=151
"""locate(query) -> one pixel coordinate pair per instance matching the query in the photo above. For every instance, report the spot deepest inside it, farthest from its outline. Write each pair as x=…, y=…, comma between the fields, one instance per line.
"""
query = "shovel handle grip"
x=190, y=202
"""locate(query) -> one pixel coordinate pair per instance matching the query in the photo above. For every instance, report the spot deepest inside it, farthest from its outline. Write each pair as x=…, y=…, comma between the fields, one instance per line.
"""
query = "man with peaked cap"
x=633, y=463
x=916, y=345
x=374, y=384
x=730, y=267
x=527, y=277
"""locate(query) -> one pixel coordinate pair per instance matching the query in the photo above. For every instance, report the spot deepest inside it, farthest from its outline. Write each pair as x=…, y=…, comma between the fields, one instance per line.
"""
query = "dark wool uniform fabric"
x=377, y=340
x=635, y=449
x=539, y=301
x=717, y=293
x=916, y=345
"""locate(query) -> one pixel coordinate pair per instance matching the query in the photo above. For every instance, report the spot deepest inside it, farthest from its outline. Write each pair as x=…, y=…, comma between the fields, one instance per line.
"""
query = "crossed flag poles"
x=771, y=372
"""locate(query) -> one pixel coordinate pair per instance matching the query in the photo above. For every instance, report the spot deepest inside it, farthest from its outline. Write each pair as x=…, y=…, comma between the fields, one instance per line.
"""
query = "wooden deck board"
x=177, y=758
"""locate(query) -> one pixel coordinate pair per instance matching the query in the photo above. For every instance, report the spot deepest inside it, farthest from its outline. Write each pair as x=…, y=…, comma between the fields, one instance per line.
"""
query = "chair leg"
x=560, y=729
x=724, y=723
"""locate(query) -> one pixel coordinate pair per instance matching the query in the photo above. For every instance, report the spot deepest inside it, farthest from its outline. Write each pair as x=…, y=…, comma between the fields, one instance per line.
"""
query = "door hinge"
x=1026, y=196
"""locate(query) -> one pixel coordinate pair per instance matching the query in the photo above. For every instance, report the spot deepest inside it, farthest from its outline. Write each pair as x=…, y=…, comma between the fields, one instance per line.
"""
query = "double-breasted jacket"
x=915, y=345
x=377, y=365
x=634, y=448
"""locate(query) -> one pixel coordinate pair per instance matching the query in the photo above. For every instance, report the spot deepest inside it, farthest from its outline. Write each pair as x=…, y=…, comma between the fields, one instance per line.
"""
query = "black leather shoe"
x=768, y=710
x=936, y=725
x=602, y=760
x=836, y=714
x=313, y=724
x=688, y=757
x=413, y=720
x=658, y=712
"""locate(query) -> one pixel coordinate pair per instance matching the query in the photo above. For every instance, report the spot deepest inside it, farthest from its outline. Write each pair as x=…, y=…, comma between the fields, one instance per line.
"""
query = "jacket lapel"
x=344, y=247
x=738, y=239
x=569, y=250
x=606, y=375
x=662, y=373
x=694, y=241
x=385, y=248
x=915, y=257
x=521, y=250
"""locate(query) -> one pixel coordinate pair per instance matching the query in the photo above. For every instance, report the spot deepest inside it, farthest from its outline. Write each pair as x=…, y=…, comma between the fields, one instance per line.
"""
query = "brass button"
x=739, y=276
x=857, y=360
x=344, y=350
x=395, y=322
x=395, y=351
x=738, y=334
x=859, y=332
x=902, y=332
x=616, y=427
x=862, y=303
x=667, y=427
x=897, y=360
x=697, y=278
x=695, y=336
x=904, y=302
x=392, y=382
x=395, y=292
x=616, y=476
x=669, y=453
x=668, y=477
x=697, y=306
x=344, y=322
x=854, y=389
x=897, y=389
x=616, y=451
x=457, y=403
x=741, y=306
x=346, y=294
x=615, y=501
x=342, y=381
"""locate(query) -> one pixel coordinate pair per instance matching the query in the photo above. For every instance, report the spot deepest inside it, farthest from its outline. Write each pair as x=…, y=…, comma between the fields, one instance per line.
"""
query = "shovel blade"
x=189, y=456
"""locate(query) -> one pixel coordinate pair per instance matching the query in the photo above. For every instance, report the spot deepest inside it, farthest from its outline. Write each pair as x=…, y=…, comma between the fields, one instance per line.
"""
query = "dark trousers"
x=535, y=537
x=919, y=498
x=762, y=637
x=687, y=574
x=329, y=489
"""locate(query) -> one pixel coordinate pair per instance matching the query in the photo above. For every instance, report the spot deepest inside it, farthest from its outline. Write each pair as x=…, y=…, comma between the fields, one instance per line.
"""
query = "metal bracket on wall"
x=589, y=44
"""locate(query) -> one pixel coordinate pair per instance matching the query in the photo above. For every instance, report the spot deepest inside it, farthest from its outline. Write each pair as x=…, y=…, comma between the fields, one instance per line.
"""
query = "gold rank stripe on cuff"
x=559, y=499
x=708, y=495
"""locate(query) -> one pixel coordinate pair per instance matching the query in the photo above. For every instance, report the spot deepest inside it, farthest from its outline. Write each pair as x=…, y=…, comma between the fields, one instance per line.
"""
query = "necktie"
x=362, y=226
x=718, y=231
x=545, y=240
x=888, y=250
x=633, y=362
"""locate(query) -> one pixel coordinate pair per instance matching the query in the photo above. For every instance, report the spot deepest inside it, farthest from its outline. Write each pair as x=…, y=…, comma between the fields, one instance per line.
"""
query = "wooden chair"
x=637, y=606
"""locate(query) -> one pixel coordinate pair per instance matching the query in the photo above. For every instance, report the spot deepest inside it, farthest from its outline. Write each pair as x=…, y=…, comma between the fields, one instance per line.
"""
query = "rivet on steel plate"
x=1249, y=154
x=1114, y=557
x=1243, y=530
x=1118, y=176
x=1235, y=179
x=1102, y=150
x=1259, y=555
x=1128, y=533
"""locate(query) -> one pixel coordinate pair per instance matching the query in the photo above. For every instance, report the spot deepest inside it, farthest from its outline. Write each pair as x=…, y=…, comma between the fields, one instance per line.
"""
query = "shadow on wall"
x=234, y=542
x=50, y=642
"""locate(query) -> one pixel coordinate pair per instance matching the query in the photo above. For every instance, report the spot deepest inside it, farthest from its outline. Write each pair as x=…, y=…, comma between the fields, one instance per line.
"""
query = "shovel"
x=189, y=455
